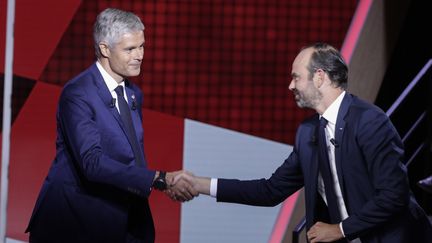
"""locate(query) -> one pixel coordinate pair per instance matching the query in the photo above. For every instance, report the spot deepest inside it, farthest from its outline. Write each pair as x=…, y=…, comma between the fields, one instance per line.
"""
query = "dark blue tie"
x=326, y=174
x=128, y=126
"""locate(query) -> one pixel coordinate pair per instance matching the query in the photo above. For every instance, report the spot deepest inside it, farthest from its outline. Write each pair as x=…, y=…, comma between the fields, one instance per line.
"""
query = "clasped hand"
x=181, y=186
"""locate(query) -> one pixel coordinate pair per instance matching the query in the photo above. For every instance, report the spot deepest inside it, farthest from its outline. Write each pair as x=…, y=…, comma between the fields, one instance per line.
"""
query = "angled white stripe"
x=216, y=152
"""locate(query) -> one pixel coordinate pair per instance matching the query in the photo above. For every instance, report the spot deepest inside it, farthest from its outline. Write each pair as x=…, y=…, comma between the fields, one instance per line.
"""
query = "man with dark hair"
x=348, y=157
x=98, y=185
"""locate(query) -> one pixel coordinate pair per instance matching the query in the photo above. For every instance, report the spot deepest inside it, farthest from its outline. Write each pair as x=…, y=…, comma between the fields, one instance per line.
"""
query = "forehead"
x=301, y=61
x=132, y=37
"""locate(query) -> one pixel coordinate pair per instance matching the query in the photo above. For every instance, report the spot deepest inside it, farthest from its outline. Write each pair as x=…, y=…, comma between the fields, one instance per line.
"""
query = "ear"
x=104, y=49
x=319, y=77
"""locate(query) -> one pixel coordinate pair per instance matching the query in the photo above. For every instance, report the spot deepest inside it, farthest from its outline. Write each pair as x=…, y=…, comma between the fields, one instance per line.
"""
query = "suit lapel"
x=339, y=131
x=133, y=106
x=105, y=95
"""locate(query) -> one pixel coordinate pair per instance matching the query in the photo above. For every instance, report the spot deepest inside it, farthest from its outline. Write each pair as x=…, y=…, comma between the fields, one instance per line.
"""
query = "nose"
x=139, y=54
x=291, y=85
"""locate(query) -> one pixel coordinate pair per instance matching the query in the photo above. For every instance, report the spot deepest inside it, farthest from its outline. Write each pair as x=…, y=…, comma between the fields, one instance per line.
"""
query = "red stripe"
x=163, y=142
x=283, y=219
x=355, y=28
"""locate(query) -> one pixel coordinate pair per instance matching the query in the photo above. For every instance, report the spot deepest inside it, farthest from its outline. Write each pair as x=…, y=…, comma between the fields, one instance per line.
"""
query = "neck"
x=105, y=64
x=328, y=98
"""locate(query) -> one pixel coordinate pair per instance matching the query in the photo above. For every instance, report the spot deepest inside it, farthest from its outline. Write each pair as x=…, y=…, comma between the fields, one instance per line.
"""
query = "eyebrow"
x=133, y=46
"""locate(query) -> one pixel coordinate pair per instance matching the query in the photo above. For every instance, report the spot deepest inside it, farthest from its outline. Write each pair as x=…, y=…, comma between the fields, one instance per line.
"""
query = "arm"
x=285, y=181
x=81, y=136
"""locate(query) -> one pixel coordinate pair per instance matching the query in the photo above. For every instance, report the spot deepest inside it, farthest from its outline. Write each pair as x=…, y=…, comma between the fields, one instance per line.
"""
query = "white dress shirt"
x=111, y=84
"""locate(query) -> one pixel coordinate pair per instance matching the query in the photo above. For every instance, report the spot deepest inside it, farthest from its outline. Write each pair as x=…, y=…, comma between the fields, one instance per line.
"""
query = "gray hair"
x=111, y=24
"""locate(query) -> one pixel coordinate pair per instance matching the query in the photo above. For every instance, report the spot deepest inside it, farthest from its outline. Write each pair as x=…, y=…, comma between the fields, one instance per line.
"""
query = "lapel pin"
x=133, y=102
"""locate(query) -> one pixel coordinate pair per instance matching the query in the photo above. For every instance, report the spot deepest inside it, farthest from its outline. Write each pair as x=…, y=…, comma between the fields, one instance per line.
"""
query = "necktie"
x=326, y=174
x=128, y=125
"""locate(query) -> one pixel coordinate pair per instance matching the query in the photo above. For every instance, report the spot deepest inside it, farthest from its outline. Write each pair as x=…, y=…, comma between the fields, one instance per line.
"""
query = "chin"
x=134, y=73
x=301, y=104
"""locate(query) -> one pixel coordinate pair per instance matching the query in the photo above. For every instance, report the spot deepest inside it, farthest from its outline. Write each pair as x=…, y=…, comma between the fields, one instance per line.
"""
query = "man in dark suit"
x=348, y=157
x=98, y=184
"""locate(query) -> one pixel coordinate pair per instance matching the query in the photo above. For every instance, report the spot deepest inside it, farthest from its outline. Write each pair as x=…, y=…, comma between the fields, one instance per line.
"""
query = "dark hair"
x=329, y=59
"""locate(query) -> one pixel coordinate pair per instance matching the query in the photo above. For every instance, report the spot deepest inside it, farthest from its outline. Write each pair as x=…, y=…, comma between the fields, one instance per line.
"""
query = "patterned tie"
x=326, y=174
x=128, y=126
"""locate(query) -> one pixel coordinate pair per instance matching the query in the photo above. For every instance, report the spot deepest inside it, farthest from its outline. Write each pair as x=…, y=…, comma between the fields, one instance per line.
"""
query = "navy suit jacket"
x=371, y=174
x=94, y=192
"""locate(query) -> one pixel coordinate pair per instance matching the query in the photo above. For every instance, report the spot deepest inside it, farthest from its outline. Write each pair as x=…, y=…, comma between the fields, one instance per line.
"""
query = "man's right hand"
x=200, y=184
x=180, y=190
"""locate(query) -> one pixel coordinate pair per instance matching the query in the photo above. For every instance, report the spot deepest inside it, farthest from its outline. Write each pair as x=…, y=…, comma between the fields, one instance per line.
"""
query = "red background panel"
x=3, y=14
x=163, y=143
x=39, y=25
x=32, y=150
x=3, y=11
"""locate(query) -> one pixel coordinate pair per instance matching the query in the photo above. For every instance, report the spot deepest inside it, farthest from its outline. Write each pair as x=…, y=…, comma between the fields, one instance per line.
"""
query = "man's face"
x=305, y=92
x=125, y=57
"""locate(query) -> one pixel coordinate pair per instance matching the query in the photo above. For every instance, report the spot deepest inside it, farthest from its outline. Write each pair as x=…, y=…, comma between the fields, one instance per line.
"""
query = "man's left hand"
x=322, y=232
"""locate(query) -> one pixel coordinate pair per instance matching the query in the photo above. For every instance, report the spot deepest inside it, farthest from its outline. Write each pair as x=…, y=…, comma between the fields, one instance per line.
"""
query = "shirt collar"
x=332, y=111
x=108, y=79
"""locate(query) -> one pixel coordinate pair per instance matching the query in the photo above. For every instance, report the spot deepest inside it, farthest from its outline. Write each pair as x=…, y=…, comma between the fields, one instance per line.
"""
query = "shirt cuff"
x=341, y=229
x=213, y=187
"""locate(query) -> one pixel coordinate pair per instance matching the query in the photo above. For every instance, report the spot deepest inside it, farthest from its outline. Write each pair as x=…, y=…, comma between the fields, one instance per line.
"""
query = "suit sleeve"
x=286, y=180
x=83, y=140
x=382, y=150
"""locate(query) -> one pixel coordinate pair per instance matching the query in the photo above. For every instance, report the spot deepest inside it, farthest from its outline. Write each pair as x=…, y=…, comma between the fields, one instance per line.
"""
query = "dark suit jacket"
x=94, y=192
x=371, y=174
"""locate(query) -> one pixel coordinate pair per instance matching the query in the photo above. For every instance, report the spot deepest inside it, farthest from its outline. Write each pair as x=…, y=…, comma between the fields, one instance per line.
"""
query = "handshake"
x=184, y=186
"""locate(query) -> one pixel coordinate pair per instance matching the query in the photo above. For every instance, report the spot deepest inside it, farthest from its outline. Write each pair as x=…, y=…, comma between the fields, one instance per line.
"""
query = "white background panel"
x=216, y=152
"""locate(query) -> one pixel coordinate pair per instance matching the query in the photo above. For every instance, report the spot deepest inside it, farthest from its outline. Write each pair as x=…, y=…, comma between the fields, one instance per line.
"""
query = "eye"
x=130, y=49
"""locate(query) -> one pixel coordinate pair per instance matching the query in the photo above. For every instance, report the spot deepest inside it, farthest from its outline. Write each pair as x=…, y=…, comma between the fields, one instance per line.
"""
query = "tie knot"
x=323, y=122
x=119, y=91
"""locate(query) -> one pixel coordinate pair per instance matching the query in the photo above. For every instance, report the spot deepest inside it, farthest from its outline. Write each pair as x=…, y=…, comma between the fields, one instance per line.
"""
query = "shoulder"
x=307, y=128
x=365, y=117
x=82, y=83
x=361, y=110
